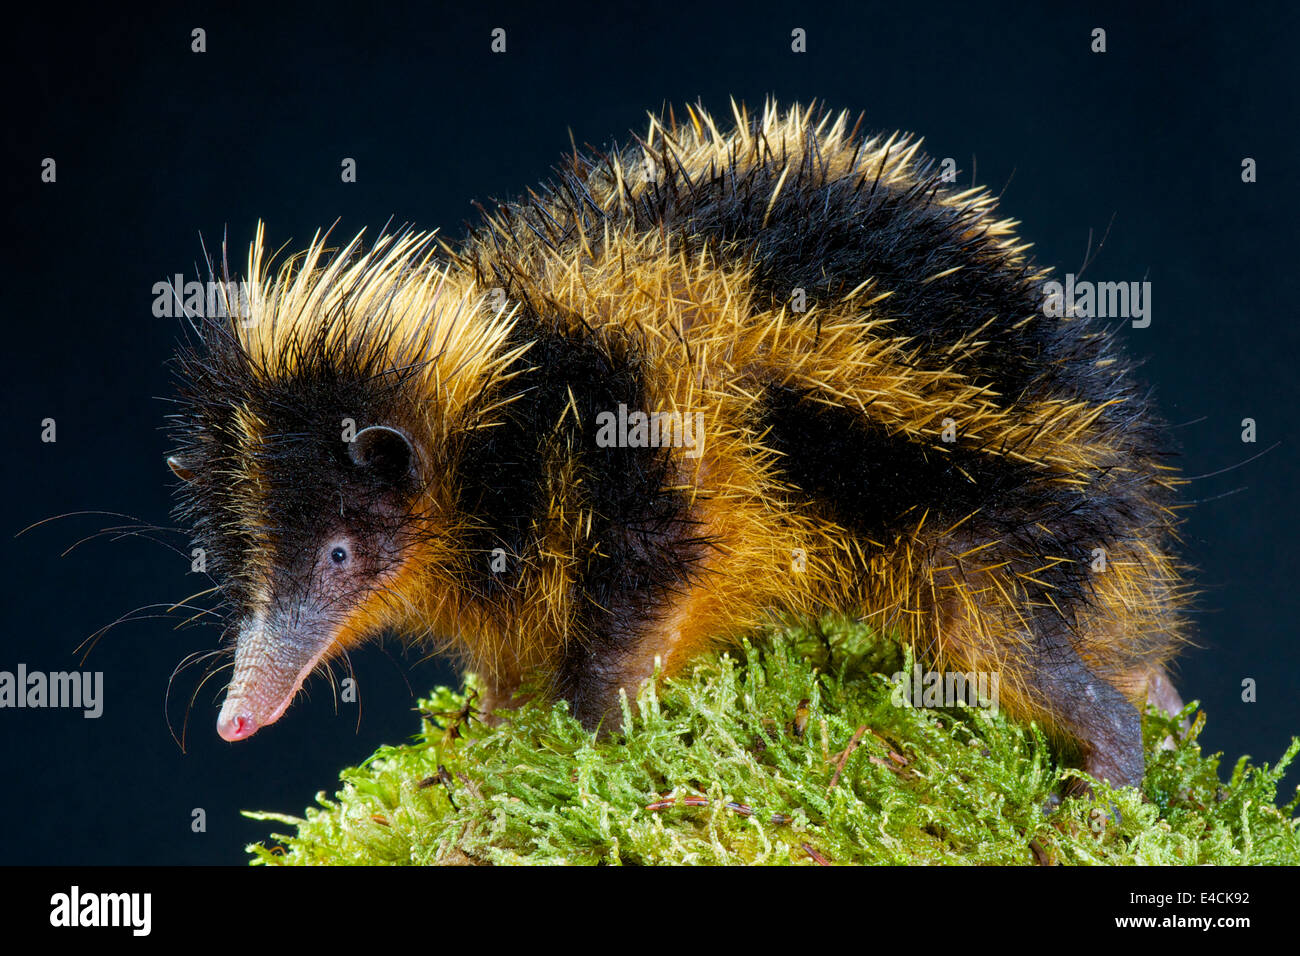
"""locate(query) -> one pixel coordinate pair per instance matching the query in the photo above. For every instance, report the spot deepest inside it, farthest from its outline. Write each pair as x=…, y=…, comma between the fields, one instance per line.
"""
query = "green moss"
x=712, y=771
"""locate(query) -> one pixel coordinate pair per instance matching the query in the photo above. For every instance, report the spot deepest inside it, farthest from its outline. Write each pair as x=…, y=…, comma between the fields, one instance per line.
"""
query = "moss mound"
x=796, y=751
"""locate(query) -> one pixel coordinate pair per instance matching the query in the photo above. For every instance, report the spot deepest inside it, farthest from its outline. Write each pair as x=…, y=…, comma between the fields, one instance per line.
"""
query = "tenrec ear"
x=179, y=469
x=386, y=451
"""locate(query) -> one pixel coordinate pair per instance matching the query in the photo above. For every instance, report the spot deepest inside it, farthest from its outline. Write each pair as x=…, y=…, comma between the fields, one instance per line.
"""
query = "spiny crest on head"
x=392, y=312
x=392, y=308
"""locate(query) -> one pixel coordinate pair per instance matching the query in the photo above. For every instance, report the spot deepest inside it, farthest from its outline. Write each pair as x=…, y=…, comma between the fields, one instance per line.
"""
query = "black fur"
x=303, y=458
x=642, y=542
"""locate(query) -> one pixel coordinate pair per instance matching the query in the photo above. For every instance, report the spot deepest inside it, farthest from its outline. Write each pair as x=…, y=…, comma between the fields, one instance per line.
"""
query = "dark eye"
x=339, y=555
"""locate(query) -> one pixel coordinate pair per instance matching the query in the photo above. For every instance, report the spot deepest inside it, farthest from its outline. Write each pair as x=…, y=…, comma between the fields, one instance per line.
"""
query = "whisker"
x=121, y=533
x=77, y=514
x=196, y=594
x=1221, y=471
x=94, y=638
x=1226, y=494
x=189, y=661
x=212, y=673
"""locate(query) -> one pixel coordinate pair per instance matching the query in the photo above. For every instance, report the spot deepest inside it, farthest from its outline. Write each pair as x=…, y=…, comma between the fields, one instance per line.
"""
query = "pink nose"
x=234, y=727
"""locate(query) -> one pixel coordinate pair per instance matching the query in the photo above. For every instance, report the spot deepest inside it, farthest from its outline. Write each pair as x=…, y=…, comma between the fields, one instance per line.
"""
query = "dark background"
x=156, y=145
